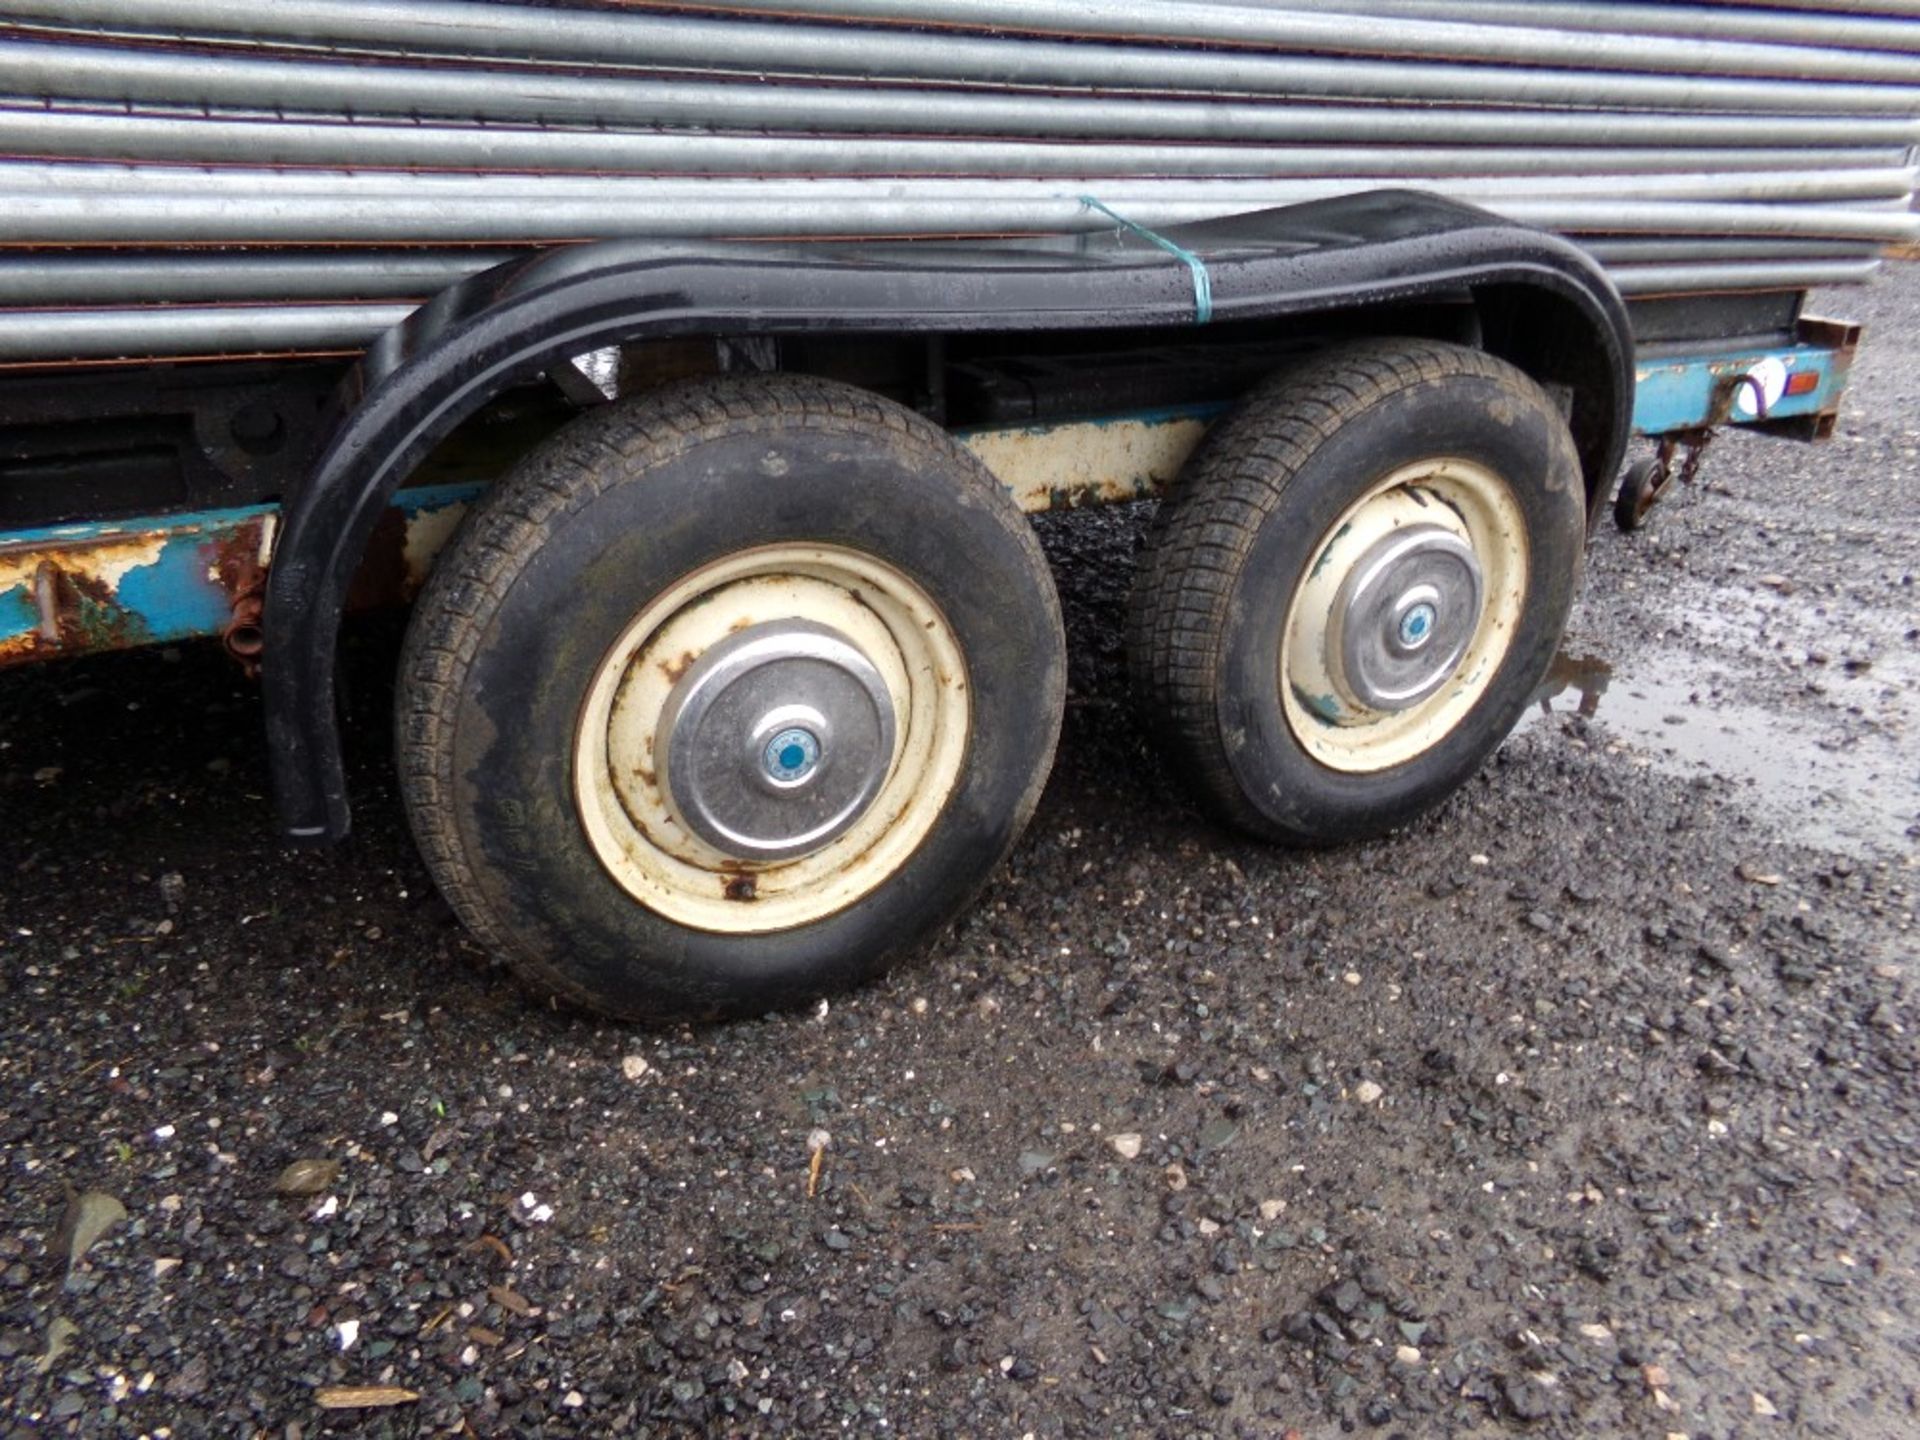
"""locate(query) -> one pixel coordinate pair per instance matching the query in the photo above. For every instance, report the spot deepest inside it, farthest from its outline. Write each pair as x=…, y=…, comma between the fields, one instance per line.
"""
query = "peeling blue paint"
x=182, y=592
x=1677, y=393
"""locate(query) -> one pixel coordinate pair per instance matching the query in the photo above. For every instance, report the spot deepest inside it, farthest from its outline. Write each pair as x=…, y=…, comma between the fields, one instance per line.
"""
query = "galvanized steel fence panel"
x=210, y=176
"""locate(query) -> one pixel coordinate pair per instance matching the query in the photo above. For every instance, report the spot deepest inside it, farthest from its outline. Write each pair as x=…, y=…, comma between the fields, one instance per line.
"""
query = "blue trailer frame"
x=77, y=589
x=82, y=588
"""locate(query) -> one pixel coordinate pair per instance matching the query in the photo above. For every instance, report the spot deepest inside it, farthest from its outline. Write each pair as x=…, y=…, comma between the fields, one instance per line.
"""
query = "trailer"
x=692, y=370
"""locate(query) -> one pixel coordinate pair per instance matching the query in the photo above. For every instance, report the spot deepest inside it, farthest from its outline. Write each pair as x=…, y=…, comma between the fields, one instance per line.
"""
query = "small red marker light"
x=1803, y=382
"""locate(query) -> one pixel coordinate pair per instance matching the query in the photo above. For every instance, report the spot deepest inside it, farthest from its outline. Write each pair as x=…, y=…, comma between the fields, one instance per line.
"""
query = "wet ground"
x=1587, y=1106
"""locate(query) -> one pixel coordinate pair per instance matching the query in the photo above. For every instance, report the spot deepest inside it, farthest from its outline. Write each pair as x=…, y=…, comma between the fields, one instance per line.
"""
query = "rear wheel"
x=1356, y=585
x=728, y=697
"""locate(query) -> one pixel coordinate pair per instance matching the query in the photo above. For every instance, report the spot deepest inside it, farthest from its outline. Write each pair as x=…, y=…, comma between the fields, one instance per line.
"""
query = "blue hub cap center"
x=791, y=755
x=1417, y=624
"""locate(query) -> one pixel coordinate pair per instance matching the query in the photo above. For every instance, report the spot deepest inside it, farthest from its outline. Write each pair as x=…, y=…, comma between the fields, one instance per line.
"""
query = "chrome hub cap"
x=771, y=738
x=776, y=740
x=1405, y=615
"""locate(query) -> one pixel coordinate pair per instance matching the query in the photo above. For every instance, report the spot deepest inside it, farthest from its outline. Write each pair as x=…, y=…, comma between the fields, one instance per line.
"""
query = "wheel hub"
x=776, y=740
x=1404, y=617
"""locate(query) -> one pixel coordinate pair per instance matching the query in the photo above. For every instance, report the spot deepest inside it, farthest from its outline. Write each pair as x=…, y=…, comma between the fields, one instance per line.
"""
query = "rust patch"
x=739, y=887
x=236, y=561
x=107, y=559
x=674, y=669
x=1066, y=466
x=90, y=616
x=75, y=598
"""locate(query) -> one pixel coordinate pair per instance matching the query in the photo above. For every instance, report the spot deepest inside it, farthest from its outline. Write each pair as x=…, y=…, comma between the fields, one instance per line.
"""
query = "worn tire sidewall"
x=1457, y=416
x=602, y=561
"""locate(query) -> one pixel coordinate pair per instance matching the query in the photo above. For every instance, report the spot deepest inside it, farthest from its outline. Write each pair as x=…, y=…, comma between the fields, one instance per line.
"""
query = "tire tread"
x=509, y=526
x=1205, y=528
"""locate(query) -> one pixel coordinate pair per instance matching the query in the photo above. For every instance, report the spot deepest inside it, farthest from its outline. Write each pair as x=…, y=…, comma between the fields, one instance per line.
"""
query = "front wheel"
x=1640, y=490
x=1355, y=586
x=729, y=696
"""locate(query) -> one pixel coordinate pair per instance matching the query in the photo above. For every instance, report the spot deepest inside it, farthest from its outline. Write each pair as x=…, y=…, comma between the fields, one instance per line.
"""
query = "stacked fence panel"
x=182, y=177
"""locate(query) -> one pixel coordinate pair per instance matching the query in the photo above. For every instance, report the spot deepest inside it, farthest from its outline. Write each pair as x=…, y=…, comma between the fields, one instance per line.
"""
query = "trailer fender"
x=1544, y=305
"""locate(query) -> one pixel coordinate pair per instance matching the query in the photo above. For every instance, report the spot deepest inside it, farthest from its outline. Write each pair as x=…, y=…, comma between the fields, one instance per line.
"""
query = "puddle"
x=1853, y=790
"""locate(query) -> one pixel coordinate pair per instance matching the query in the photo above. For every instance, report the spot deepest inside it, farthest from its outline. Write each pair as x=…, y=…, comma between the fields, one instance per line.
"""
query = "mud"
x=1586, y=1106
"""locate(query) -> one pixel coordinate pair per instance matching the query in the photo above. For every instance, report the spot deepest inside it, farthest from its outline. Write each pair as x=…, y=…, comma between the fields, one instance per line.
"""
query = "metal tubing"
x=92, y=280
x=1686, y=22
x=1661, y=250
x=170, y=138
x=1873, y=7
x=448, y=27
x=424, y=216
x=190, y=278
x=1354, y=30
x=1771, y=157
x=1404, y=36
x=185, y=330
x=61, y=178
x=1697, y=279
x=192, y=330
x=277, y=86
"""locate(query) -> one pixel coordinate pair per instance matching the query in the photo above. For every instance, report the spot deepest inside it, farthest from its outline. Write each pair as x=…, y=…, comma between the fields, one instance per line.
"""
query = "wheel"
x=1640, y=487
x=729, y=696
x=1355, y=586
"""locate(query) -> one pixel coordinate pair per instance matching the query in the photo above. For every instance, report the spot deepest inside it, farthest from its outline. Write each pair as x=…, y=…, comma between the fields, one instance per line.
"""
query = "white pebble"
x=633, y=1066
x=347, y=1332
x=1407, y=1355
x=1126, y=1146
x=1366, y=1092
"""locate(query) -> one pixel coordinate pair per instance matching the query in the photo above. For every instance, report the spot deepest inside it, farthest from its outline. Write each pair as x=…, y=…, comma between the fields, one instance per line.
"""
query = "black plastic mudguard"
x=1545, y=305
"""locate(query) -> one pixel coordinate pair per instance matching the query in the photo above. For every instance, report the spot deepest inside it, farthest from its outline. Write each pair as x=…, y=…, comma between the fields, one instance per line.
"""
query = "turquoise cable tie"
x=1202, y=281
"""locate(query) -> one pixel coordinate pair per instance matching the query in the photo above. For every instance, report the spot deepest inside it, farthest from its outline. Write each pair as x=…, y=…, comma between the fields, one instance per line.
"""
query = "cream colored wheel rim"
x=845, y=645
x=1405, y=616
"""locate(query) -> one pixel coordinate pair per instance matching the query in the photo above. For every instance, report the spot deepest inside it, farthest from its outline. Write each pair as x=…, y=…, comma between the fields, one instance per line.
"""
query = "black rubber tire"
x=1242, y=524
x=556, y=562
x=1639, y=492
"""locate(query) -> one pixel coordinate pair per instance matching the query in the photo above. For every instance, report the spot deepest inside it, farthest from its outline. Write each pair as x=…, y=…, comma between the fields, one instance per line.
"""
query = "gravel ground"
x=1587, y=1106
